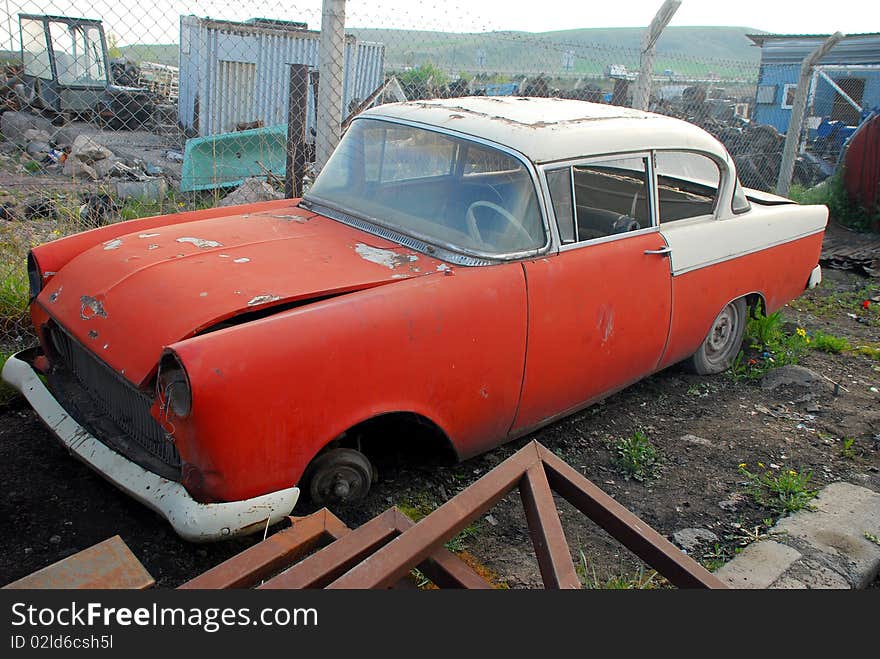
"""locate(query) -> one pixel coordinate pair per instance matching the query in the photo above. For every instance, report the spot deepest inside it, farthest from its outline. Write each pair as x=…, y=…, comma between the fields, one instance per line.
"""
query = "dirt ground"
x=703, y=427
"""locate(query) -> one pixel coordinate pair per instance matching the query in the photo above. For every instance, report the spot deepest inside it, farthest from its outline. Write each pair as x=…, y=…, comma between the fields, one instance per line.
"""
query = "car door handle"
x=663, y=251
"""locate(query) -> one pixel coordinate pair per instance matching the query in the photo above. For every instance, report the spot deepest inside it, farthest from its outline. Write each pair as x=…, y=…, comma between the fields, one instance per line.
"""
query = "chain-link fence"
x=114, y=111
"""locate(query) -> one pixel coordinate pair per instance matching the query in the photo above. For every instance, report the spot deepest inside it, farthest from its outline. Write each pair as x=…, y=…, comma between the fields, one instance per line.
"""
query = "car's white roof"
x=548, y=129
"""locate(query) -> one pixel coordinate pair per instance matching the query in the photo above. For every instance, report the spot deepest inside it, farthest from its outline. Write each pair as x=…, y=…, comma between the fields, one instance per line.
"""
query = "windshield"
x=433, y=186
x=79, y=54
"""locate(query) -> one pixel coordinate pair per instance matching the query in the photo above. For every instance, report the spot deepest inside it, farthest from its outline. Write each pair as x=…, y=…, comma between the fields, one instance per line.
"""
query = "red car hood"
x=128, y=298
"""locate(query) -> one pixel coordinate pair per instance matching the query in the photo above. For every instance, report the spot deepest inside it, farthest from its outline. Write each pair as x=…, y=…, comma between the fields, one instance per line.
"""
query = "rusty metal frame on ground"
x=345, y=550
x=320, y=551
x=383, y=552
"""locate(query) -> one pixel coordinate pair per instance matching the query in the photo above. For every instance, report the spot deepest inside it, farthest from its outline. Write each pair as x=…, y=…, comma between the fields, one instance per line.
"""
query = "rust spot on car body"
x=54, y=296
x=91, y=308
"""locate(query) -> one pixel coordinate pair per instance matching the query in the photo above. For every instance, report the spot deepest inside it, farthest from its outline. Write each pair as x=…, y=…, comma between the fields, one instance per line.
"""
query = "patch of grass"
x=715, y=557
x=820, y=303
x=765, y=330
x=829, y=343
x=635, y=457
x=832, y=193
x=768, y=346
x=846, y=450
x=640, y=580
x=460, y=542
x=783, y=491
x=868, y=351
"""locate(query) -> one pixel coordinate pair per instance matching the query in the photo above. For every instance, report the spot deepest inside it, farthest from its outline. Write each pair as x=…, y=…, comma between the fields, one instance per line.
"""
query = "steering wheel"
x=474, y=230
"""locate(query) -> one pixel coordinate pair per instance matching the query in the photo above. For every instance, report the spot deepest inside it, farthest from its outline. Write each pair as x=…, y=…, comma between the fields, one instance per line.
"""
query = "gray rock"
x=76, y=168
x=55, y=539
x=699, y=441
x=105, y=167
x=253, y=190
x=63, y=137
x=690, y=539
x=87, y=150
x=36, y=135
x=796, y=376
x=38, y=148
x=13, y=125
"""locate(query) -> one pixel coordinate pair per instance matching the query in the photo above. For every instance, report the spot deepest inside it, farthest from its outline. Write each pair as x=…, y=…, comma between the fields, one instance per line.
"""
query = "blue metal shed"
x=237, y=73
x=852, y=66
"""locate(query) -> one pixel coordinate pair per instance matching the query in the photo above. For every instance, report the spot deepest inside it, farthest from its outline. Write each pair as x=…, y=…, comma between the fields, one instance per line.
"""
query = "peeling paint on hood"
x=147, y=303
x=390, y=258
x=201, y=243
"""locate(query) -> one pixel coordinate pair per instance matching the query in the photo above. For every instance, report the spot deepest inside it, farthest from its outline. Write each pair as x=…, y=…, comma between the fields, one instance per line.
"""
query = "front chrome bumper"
x=193, y=521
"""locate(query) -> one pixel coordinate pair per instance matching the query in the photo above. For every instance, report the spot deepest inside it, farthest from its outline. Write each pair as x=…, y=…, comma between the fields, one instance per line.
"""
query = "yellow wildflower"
x=801, y=332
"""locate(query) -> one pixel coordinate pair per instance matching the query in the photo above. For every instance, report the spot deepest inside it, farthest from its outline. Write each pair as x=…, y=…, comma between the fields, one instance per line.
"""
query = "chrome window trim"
x=650, y=181
x=725, y=175
x=452, y=250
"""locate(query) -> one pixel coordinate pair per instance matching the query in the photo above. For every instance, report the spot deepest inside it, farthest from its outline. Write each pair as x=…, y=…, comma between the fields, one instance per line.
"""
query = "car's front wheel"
x=723, y=342
x=340, y=475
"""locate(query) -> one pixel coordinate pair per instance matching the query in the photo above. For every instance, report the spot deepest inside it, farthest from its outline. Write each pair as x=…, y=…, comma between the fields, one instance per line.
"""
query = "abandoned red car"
x=471, y=268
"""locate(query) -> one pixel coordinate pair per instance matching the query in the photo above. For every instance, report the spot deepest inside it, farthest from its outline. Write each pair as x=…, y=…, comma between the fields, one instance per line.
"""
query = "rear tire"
x=723, y=342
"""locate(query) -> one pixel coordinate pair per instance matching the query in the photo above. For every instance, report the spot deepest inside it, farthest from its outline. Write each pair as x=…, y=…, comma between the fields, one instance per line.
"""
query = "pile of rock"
x=49, y=149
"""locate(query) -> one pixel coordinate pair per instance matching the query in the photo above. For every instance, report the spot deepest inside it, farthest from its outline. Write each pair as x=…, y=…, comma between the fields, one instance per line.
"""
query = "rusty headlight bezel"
x=173, y=387
x=35, y=277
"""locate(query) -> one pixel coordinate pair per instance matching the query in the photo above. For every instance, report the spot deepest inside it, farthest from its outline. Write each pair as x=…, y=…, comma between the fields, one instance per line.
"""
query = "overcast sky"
x=156, y=21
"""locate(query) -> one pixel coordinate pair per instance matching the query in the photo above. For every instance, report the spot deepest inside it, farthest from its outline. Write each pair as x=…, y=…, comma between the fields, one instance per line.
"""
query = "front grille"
x=126, y=405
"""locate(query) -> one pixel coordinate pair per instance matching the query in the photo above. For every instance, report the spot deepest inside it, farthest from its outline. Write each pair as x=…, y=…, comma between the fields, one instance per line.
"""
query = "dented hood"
x=128, y=298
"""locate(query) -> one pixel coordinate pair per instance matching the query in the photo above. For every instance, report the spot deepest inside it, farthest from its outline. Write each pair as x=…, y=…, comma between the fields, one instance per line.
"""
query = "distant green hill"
x=159, y=53
x=694, y=51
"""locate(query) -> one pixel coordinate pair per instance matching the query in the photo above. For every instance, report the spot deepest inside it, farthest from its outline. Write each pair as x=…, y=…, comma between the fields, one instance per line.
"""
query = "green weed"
x=635, y=457
x=768, y=346
x=783, y=491
x=829, y=343
x=832, y=193
x=640, y=580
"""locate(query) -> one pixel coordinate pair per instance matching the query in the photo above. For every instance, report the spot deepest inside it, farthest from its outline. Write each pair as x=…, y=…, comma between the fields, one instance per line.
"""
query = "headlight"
x=172, y=386
x=35, y=279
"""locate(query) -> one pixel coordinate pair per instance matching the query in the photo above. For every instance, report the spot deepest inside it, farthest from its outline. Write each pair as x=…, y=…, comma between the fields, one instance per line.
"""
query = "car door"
x=599, y=310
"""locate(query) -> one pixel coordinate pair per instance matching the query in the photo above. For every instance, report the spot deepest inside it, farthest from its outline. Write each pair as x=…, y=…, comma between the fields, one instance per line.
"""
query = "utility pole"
x=798, y=109
x=642, y=91
x=331, y=58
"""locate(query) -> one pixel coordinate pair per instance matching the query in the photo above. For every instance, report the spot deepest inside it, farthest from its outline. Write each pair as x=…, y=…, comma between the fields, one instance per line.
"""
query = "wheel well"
x=397, y=436
x=755, y=303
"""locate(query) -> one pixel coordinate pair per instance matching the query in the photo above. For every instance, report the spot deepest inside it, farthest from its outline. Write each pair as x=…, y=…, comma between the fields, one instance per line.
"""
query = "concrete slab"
x=759, y=565
x=824, y=548
x=836, y=529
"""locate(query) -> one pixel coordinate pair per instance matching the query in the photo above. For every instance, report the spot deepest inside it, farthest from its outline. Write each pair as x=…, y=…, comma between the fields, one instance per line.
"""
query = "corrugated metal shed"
x=792, y=48
x=237, y=73
x=854, y=60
